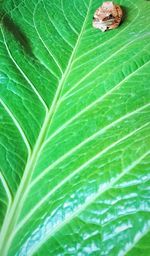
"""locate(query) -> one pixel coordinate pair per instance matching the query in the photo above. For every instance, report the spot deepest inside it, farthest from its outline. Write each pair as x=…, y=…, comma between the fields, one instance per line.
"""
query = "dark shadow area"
x=19, y=36
x=125, y=12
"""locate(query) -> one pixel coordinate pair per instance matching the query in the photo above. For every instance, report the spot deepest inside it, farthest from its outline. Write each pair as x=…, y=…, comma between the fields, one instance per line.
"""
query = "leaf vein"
x=18, y=126
x=77, y=171
x=88, y=202
x=94, y=103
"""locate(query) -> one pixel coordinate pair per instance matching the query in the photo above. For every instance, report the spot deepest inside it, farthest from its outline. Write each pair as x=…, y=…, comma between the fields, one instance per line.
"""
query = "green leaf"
x=75, y=121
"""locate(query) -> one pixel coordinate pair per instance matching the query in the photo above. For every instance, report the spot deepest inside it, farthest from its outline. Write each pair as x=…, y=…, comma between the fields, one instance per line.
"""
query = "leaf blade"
x=106, y=107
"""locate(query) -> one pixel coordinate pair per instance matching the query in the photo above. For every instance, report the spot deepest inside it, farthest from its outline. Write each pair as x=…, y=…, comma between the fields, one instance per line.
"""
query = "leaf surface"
x=75, y=128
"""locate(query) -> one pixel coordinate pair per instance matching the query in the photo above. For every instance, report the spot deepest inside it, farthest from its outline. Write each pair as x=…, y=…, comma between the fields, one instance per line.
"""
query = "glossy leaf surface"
x=74, y=131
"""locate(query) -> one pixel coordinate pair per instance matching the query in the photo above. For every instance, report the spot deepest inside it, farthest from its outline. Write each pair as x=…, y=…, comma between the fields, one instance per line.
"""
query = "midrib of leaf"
x=12, y=216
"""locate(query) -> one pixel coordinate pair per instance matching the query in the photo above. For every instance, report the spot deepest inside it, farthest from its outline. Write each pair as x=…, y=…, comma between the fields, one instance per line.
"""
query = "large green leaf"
x=75, y=127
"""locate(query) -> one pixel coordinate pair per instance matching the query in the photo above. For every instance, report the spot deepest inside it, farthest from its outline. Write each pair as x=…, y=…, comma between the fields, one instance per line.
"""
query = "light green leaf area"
x=75, y=130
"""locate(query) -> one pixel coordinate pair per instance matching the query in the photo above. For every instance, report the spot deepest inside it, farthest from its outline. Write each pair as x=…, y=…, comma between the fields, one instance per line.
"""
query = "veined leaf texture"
x=74, y=131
